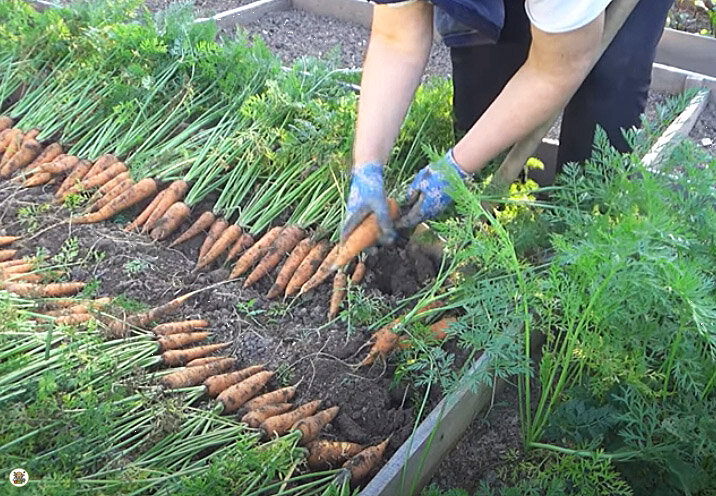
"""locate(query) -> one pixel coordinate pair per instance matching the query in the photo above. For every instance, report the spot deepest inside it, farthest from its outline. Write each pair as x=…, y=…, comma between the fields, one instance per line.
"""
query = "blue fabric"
x=367, y=196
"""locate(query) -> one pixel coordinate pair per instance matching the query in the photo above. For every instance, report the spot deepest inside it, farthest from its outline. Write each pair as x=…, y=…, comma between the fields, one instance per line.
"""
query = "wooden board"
x=246, y=13
x=691, y=52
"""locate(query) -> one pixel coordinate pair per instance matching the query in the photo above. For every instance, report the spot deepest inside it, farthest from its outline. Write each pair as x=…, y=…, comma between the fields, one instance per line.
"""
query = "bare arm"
x=398, y=50
x=555, y=67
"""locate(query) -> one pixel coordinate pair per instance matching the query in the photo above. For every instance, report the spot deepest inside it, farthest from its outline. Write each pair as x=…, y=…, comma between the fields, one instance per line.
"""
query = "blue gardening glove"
x=428, y=191
x=366, y=197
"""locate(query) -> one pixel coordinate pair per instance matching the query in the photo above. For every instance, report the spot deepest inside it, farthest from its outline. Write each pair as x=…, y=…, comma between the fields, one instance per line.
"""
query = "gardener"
x=513, y=63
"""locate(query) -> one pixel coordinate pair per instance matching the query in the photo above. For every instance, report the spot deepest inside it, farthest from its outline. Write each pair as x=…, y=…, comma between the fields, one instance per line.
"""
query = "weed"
x=361, y=308
x=283, y=375
x=69, y=251
x=75, y=202
x=29, y=216
x=135, y=266
x=128, y=304
x=91, y=287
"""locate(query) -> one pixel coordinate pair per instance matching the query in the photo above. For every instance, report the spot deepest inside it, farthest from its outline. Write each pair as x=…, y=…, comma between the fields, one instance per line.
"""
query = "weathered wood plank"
x=246, y=13
x=687, y=51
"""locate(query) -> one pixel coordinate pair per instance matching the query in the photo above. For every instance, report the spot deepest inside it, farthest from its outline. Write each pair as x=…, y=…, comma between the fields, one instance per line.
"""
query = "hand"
x=428, y=191
x=366, y=197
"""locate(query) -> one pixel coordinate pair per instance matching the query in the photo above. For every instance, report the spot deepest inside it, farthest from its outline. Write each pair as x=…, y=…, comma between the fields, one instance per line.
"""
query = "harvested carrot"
x=205, y=360
x=366, y=461
x=233, y=397
x=217, y=227
x=358, y=273
x=311, y=426
x=437, y=330
x=106, y=188
x=339, y=293
x=26, y=277
x=48, y=155
x=12, y=263
x=285, y=242
x=120, y=327
x=170, y=221
x=324, y=454
x=26, y=154
x=174, y=341
x=60, y=165
x=227, y=238
x=7, y=254
x=180, y=357
x=31, y=134
x=255, y=418
x=174, y=192
x=118, y=189
x=73, y=320
x=257, y=250
x=37, y=179
x=5, y=122
x=73, y=179
x=282, y=395
x=97, y=180
x=14, y=142
x=243, y=243
x=52, y=290
x=142, y=217
x=138, y=192
x=280, y=424
x=179, y=327
x=191, y=376
x=80, y=307
x=322, y=273
x=16, y=269
x=101, y=164
x=289, y=267
x=6, y=240
x=5, y=135
x=200, y=225
x=307, y=267
x=71, y=302
x=218, y=383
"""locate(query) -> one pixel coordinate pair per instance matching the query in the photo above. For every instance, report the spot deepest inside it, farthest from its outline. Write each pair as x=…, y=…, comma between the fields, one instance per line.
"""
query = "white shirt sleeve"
x=561, y=16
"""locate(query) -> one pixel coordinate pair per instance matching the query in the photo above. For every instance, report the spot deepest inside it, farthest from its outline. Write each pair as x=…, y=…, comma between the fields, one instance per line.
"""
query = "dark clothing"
x=613, y=95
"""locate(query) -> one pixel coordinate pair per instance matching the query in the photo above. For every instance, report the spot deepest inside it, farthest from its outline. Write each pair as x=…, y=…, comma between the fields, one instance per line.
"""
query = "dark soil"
x=704, y=132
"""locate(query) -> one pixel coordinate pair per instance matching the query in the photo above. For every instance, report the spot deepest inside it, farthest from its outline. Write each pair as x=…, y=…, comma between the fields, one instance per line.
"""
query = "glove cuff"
x=374, y=167
x=450, y=159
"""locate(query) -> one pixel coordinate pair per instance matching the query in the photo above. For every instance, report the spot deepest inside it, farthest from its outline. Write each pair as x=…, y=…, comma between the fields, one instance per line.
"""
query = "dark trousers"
x=613, y=95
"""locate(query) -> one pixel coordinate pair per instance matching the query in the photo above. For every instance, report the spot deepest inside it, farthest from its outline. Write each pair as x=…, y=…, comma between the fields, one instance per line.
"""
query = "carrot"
x=31, y=134
x=174, y=192
x=37, y=179
x=205, y=360
x=437, y=330
x=71, y=302
x=174, y=341
x=118, y=189
x=52, y=290
x=7, y=254
x=217, y=227
x=297, y=256
x=179, y=357
x=101, y=178
x=16, y=269
x=49, y=154
x=134, y=195
x=307, y=267
x=255, y=418
x=234, y=396
x=170, y=221
x=324, y=454
x=101, y=164
x=80, y=307
x=285, y=242
x=311, y=426
x=26, y=277
x=5, y=122
x=227, y=238
x=179, y=327
x=339, y=293
x=12, y=263
x=26, y=154
x=142, y=217
x=120, y=327
x=5, y=135
x=322, y=273
x=218, y=383
x=6, y=240
x=14, y=142
x=73, y=320
x=282, y=395
x=280, y=424
x=106, y=188
x=73, y=179
x=191, y=376
x=257, y=250
x=60, y=165
x=243, y=243
x=364, y=462
x=202, y=223
x=358, y=273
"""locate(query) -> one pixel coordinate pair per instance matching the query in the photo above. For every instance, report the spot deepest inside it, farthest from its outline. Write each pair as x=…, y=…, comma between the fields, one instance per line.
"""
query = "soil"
x=685, y=16
x=704, y=132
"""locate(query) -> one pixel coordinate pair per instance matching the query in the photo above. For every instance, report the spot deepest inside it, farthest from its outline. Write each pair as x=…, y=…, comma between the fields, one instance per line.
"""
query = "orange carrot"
x=170, y=221
x=218, y=383
x=14, y=144
x=307, y=267
x=52, y=290
x=227, y=238
x=142, y=218
x=235, y=396
x=48, y=155
x=174, y=192
x=73, y=320
x=217, y=227
x=80, y=307
x=6, y=240
x=7, y=254
x=73, y=179
x=285, y=242
x=60, y=165
x=325, y=454
x=322, y=273
x=201, y=224
x=255, y=418
x=118, y=189
x=12, y=263
x=174, y=341
x=364, y=462
x=297, y=256
x=5, y=122
x=37, y=179
x=26, y=154
x=282, y=395
x=243, y=243
x=98, y=180
x=280, y=424
x=179, y=357
x=205, y=360
x=71, y=302
x=339, y=293
x=257, y=250
x=26, y=277
x=134, y=195
x=106, y=188
x=179, y=327
x=16, y=269
x=358, y=273
x=437, y=330
x=5, y=135
x=31, y=134
x=311, y=426
x=191, y=376
x=101, y=164
x=120, y=327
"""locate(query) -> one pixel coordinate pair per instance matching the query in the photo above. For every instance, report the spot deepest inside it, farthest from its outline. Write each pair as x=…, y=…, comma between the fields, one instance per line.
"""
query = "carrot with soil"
x=255, y=418
x=170, y=221
x=358, y=273
x=362, y=464
x=179, y=327
x=73, y=178
x=144, y=215
x=5, y=122
x=60, y=165
x=324, y=454
x=243, y=243
x=51, y=290
x=26, y=154
x=7, y=254
x=73, y=320
x=235, y=396
x=255, y=252
x=218, y=383
x=217, y=227
x=202, y=223
x=297, y=256
x=174, y=192
x=204, y=361
x=282, y=395
x=307, y=267
x=338, y=294
x=117, y=190
x=106, y=188
x=138, y=192
x=311, y=426
x=180, y=357
x=175, y=341
x=194, y=375
x=101, y=164
x=223, y=243
x=7, y=240
x=285, y=242
x=279, y=425
x=48, y=155
x=120, y=327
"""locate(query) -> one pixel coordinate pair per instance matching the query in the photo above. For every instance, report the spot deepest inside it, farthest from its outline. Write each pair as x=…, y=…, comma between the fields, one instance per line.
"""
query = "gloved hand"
x=428, y=191
x=366, y=197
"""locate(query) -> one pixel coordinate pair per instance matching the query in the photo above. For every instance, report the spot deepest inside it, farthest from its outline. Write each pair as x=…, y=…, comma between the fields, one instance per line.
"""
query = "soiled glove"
x=429, y=191
x=366, y=197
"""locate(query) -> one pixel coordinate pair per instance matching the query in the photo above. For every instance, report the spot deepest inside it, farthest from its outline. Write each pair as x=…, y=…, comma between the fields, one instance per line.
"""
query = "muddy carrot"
x=26, y=154
x=217, y=227
x=338, y=294
x=289, y=267
x=26, y=277
x=14, y=144
x=135, y=194
x=84, y=307
x=101, y=164
x=48, y=155
x=73, y=179
x=37, y=179
x=73, y=320
x=223, y=243
x=285, y=242
x=364, y=462
x=174, y=341
x=282, y=395
x=98, y=180
x=174, y=192
x=6, y=240
x=31, y=134
x=200, y=225
x=16, y=269
x=120, y=188
x=233, y=397
x=192, y=376
x=218, y=383
x=307, y=267
x=358, y=273
x=437, y=330
x=324, y=454
x=178, y=327
x=180, y=357
x=322, y=273
x=106, y=188
x=255, y=252
x=243, y=243
x=255, y=418
x=120, y=327
x=52, y=290
x=311, y=426
x=4, y=140
x=204, y=361
x=170, y=221
x=12, y=263
x=60, y=165
x=7, y=254
x=5, y=122
x=280, y=424
x=142, y=217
